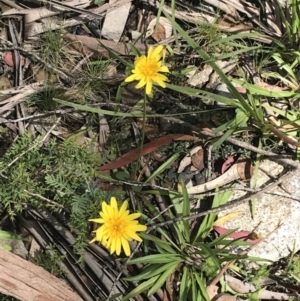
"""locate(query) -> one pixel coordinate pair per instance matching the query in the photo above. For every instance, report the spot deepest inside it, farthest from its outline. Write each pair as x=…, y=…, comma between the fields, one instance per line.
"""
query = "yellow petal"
x=160, y=79
x=113, y=246
x=161, y=83
x=99, y=234
x=92, y=241
x=104, y=210
x=139, y=60
x=157, y=51
x=149, y=87
x=123, y=208
x=96, y=220
x=136, y=228
x=118, y=246
x=108, y=243
x=132, y=216
x=164, y=69
x=131, y=78
x=134, y=236
x=113, y=202
x=126, y=247
x=150, y=51
x=141, y=84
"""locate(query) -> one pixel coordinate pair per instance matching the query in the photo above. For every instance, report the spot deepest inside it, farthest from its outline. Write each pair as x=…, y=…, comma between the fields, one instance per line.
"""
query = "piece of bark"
x=27, y=282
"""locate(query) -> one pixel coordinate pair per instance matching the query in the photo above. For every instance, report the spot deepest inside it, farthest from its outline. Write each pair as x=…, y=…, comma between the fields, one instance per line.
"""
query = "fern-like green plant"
x=60, y=171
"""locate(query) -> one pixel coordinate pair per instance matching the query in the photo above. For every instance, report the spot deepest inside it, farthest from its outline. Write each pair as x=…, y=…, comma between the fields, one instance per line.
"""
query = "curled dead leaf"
x=212, y=291
x=198, y=159
x=159, y=29
x=245, y=169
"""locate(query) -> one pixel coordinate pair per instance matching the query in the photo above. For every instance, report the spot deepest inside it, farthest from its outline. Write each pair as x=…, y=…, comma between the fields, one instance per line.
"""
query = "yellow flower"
x=118, y=227
x=147, y=68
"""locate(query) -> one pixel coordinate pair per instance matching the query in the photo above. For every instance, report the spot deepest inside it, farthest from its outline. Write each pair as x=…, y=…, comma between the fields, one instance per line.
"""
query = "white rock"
x=271, y=211
x=135, y=34
x=115, y=22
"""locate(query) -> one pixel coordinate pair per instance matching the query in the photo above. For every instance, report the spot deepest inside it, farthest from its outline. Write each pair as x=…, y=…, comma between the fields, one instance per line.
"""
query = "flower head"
x=118, y=227
x=147, y=68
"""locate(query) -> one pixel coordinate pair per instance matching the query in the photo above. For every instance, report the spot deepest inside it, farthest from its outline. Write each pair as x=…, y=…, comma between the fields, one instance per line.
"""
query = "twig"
x=44, y=199
x=11, y=4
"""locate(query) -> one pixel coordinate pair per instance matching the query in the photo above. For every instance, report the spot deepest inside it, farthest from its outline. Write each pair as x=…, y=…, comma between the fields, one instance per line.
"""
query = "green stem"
x=143, y=131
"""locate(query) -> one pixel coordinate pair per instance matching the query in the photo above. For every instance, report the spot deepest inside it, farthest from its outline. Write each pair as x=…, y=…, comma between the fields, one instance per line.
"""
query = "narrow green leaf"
x=232, y=54
x=205, y=95
x=156, y=258
x=150, y=271
x=236, y=37
x=165, y=165
x=184, y=285
x=141, y=288
x=264, y=92
x=162, y=279
x=202, y=286
x=159, y=243
x=205, y=56
x=194, y=287
x=208, y=221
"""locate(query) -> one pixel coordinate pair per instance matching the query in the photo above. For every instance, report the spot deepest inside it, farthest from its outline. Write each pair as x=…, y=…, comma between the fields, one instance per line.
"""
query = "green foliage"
x=48, y=260
x=207, y=34
x=4, y=235
x=259, y=274
x=52, y=45
x=181, y=252
x=209, y=268
x=63, y=172
x=93, y=73
x=295, y=267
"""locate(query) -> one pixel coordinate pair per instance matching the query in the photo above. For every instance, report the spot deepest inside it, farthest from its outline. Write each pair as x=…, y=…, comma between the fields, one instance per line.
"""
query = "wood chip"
x=27, y=282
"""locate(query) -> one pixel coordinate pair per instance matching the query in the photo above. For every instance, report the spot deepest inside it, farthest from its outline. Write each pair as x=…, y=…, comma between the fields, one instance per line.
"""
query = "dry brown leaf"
x=94, y=45
x=198, y=159
x=34, y=14
x=245, y=288
x=35, y=28
x=212, y=290
x=228, y=217
x=160, y=29
x=198, y=78
x=147, y=149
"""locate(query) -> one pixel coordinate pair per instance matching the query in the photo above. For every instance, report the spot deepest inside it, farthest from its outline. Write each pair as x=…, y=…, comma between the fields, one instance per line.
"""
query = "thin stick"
x=44, y=199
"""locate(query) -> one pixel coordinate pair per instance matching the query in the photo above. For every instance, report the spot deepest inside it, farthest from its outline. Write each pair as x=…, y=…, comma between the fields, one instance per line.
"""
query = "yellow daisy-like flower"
x=147, y=68
x=118, y=227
